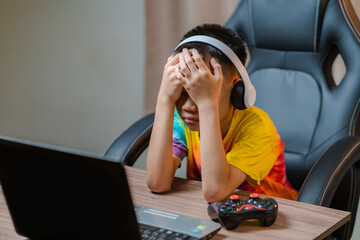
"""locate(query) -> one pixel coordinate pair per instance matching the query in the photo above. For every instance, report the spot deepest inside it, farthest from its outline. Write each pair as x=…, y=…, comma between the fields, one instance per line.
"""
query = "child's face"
x=188, y=110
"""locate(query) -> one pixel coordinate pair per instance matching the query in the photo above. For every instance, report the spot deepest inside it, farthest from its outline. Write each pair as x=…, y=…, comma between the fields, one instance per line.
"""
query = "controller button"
x=222, y=206
x=234, y=197
x=254, y=195
x=229, y=208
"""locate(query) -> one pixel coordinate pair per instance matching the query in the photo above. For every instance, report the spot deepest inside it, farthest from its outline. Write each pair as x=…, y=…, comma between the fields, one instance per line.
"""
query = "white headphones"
x=243, y=94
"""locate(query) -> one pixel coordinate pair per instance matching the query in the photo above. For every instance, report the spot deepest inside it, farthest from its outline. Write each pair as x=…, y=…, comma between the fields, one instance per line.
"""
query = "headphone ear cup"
x=237, y=96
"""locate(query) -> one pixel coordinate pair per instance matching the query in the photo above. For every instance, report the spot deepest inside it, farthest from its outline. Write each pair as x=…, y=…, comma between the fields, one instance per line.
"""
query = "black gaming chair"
x=292, y=44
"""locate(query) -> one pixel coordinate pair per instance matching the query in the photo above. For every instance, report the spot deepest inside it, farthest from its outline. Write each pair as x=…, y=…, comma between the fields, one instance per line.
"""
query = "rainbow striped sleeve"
x=179, y=140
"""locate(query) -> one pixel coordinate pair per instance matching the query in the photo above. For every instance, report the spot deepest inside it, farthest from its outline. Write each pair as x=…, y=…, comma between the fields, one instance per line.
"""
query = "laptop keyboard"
x=151, y=232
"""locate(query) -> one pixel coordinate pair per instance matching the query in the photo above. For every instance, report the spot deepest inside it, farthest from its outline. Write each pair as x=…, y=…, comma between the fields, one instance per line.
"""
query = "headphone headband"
x=250, y=93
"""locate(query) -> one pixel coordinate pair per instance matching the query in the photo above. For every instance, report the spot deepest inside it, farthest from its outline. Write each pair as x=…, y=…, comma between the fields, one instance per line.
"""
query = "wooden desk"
x=295, y=220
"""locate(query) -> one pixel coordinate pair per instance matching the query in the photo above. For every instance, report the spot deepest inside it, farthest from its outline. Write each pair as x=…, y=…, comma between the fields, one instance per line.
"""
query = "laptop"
x=59, y=193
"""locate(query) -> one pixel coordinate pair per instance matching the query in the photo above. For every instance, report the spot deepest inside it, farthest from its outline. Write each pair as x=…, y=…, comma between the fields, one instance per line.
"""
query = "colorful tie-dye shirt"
x=252, y=144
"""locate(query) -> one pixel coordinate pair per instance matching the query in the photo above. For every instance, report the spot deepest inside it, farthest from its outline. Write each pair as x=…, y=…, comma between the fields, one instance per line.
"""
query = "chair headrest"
x=288, y=25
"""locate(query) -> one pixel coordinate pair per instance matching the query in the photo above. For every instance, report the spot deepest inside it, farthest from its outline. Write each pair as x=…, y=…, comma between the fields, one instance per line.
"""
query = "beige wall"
x=71, y=72
x=356, y=4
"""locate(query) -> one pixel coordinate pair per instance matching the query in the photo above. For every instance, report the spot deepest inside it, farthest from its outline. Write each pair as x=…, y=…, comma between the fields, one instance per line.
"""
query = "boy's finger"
x=217, y=68
x=173, y=59
x=183, y=67
x=178, y=74
x=198, y=59
x=189, y=60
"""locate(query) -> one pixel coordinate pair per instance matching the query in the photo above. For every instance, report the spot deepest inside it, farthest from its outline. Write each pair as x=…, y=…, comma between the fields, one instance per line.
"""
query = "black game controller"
x=231, y=213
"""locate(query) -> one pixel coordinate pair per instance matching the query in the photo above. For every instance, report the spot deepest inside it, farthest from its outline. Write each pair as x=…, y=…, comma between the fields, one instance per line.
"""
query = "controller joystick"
x=232, y=212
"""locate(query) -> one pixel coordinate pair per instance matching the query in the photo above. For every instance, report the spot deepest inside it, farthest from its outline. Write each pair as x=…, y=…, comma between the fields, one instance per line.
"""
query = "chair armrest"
x=131, y=143
x=324, y=178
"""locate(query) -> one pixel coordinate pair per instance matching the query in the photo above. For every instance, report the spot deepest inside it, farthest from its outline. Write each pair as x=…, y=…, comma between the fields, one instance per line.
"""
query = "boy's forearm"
x=160, y=163
x=214, y=167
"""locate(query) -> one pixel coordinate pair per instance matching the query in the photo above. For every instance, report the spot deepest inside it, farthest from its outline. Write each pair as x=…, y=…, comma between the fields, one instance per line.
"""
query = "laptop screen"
x=57, y=194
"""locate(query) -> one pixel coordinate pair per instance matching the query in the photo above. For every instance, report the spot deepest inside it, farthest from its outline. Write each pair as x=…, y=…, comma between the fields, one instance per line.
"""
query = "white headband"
x=250, y=93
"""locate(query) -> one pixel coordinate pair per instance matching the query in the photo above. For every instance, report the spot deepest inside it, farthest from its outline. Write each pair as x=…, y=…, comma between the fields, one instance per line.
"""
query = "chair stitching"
x=352, y=123
x=252, y=29
x=327, y=140
x=316, y=23
x=337, y=170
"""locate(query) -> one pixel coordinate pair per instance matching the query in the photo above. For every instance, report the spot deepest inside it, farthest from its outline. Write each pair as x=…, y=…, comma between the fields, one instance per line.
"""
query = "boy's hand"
x=171, y=87
x=202, y=86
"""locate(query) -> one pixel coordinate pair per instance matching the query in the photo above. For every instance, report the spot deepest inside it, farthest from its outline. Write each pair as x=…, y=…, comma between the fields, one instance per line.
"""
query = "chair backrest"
x=292, y=45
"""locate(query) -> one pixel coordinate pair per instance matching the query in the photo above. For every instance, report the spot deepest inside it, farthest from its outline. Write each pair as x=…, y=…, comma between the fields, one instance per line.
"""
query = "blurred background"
x=78, y=73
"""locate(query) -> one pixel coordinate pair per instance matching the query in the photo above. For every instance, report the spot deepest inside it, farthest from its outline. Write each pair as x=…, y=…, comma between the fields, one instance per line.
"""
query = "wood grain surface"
x=295, y=220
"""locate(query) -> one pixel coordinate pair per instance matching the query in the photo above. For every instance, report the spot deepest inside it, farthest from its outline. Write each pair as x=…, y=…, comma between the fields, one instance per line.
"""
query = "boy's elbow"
x=158, y=187
x=213, y=195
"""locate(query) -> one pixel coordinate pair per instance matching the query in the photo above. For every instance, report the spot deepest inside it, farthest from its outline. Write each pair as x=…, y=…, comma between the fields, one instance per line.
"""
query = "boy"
x=238, y=148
